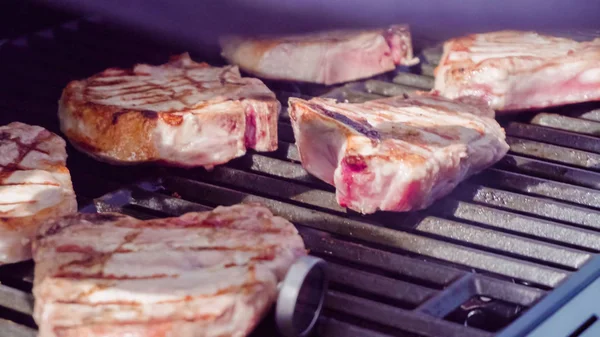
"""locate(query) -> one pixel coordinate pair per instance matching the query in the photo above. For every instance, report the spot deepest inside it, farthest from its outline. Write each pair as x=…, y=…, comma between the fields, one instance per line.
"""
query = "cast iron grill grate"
x=468, y=266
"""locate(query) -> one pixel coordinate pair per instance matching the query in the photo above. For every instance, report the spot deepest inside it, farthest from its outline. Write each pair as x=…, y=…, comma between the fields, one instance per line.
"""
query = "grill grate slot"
x=522, y=225
x=395, y=317
x=553, y=136
x=540, y=187
x=333, y=327
x=554, y=153
x=505, y=237
x=552, y=171
x=387, y=290
x=543, y=208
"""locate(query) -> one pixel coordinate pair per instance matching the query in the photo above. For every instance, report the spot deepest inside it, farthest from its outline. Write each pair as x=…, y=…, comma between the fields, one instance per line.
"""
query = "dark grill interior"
x=468, y=266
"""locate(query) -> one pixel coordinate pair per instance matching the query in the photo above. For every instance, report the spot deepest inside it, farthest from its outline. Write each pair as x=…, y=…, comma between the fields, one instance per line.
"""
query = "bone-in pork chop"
x=515, y=71
x=325, y=57
x=206, y=274
x=35, y=185
x=182, y=113
x=394, y=154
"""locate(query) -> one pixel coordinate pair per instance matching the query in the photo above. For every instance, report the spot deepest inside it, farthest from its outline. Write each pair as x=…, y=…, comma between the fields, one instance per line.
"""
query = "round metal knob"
x=301, y=297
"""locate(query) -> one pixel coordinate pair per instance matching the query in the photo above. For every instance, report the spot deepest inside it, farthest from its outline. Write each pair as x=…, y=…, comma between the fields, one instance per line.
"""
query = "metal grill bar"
x=395, y=317
x=552, y=171
x=332, y=327
x=544, y=208
x=445, y=302
x=11, y=329
x=540, y=187
x=503, y=242
x=16, y=300
x=555, y=153
x=392, y=264
x=407, y=294
x=587, y=127
x=553, y=136
x=519, y=224
x=587, y=114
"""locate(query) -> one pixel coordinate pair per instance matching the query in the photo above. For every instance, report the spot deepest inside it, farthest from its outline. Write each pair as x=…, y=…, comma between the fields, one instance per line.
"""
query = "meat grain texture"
x=208, y=274
x=515, y=71
x=35, y=185
x=328, y=57
x=181, y=113
x=394, y=154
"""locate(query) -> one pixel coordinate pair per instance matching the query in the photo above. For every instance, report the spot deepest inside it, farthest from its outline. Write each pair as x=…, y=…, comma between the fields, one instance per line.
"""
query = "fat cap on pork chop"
x=515, y=71
x=394, y=154
x=328, y=57
x=203, y=274
x=181, y=113
x=35, y=185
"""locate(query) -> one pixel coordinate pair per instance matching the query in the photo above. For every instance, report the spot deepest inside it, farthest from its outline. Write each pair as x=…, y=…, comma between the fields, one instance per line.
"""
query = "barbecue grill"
x=504, y=251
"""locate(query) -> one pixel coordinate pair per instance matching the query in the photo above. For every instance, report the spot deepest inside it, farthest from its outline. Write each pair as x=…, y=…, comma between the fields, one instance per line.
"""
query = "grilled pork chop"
x=515, y=70
x=35, y=185
x=201, y=274
x=394, y=154
x=182, y=113
x=325, y=57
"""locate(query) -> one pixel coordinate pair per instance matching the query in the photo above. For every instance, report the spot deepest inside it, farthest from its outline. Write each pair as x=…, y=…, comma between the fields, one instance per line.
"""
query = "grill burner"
x=480, y=257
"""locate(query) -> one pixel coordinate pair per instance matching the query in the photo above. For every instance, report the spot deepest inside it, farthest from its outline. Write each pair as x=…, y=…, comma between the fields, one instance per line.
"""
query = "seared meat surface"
x=182, y=113
x=513, y=70
x=201, y=274
x=394, y=154
x=325, y=57
x=35, y=185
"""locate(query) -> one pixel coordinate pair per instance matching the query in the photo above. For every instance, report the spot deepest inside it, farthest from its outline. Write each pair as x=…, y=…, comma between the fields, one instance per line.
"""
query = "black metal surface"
x=570, y=310
x=468, y=266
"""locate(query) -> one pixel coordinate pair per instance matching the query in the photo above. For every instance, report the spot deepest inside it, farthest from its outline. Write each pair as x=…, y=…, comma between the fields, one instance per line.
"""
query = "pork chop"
x=515, y=71
x=201, y=274
x=35, y=185
x=181, y=113
x=394, y=154
x=325, y=57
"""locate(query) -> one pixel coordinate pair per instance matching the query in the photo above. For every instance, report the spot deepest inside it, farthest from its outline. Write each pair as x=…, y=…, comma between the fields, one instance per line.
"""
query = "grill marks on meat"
x=181, y=113
x=425, y=146
x=325, y=57
x=362, y=126
x=513, y=70
x=209, y=274
x=177, y=86
x=34, y=185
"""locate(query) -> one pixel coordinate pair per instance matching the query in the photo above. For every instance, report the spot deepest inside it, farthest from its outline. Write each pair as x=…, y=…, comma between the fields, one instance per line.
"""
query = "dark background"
x=196, y=24
x=18, y=17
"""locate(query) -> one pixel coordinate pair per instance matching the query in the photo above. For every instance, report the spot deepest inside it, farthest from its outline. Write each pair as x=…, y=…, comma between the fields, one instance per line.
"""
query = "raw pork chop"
x=181, y=113
x=394, y=154
x=514, y=70
x=325, y=57
x=35, y=185
x=203, y=274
